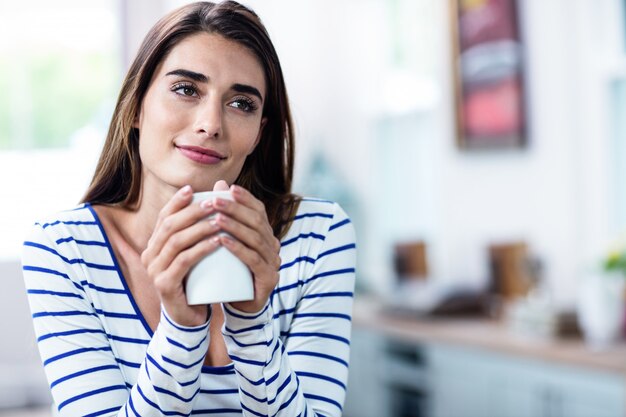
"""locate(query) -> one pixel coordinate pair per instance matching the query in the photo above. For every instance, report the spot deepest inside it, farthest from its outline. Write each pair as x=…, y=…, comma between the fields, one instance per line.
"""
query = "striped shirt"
x=102, y=359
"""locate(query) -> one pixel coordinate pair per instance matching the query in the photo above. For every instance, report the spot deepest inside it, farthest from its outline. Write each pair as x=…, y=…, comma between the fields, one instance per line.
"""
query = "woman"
x=203, y=106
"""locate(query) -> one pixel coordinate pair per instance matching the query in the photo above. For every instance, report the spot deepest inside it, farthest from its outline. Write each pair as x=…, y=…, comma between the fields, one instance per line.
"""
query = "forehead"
x=221, y=60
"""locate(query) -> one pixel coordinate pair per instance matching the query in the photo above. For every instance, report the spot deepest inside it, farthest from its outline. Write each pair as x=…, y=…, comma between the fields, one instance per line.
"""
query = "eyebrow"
x=243, y=88
x=196, y=76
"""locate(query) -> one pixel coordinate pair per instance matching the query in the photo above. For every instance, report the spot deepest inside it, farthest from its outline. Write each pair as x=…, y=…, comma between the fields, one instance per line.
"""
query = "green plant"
x=616, y=258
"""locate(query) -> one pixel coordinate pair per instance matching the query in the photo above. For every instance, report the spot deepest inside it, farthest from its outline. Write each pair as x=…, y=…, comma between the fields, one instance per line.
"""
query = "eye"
x=185, y=89
x=244, y=104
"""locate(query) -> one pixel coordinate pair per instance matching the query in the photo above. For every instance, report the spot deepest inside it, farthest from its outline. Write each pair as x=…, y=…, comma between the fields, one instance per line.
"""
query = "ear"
x=258, y=136
x=136, y=119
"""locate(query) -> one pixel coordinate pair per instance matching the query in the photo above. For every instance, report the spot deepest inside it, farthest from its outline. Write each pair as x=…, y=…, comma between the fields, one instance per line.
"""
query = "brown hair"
x=267, y=172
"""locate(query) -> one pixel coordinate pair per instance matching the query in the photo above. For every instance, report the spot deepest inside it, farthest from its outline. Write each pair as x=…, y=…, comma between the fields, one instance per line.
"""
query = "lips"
x=200, y=154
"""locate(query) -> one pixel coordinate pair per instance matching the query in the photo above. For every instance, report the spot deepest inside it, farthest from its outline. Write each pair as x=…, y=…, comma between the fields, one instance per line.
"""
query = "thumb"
x=220, y=185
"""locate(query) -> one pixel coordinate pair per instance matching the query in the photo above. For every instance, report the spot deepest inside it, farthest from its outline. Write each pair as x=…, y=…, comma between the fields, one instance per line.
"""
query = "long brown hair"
x=267, y=172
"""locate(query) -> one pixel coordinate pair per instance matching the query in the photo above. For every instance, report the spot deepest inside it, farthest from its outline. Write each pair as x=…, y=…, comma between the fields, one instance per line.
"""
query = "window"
x=58, y=67
x=60, y=72
x=602, y=90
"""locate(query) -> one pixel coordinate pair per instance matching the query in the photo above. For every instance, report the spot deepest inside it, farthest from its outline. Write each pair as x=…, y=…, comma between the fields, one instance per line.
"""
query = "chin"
x=204, y=186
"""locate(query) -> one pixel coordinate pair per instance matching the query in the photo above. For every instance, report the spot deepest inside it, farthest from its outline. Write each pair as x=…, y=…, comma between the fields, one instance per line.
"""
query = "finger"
x=251, y=258
x=181, y=241
x=253, y=218
x=220, y=185
x=169, y=281
x=264, y=244
x=172, y=224
x=180, y=200
x=245, y=197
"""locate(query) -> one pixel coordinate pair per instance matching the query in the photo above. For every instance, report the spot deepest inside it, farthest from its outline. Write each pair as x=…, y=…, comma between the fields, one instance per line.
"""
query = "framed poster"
x=488, y=74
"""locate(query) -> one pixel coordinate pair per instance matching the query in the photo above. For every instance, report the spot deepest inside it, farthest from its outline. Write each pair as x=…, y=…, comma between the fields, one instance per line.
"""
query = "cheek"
x=156, y=128
x=246, y=135
x=248, y=144
x=160, y=115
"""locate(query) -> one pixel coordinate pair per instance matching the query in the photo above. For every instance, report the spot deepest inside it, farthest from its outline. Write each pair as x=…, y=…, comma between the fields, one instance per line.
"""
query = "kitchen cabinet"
x=469, y=382
x=366, y=396
x=392, y=375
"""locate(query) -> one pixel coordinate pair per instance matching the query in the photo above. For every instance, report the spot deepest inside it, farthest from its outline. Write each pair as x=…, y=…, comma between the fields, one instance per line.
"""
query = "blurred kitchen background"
x=478, y=145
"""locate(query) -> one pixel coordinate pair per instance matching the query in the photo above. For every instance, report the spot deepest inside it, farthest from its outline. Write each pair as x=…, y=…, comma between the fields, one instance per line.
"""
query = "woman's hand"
x=179, y=241
x=252, y=241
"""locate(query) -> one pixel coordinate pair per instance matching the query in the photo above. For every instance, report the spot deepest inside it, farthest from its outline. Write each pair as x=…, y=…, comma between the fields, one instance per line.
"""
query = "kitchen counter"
x=487, y=334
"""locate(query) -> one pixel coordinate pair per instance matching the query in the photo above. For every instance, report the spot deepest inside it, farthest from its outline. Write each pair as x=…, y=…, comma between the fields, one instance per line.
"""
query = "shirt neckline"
x=131, y=298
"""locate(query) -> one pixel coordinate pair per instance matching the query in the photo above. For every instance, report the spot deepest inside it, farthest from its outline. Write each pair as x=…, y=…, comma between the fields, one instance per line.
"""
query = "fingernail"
x=220, y=203
x=206, y=205
x=185, y=190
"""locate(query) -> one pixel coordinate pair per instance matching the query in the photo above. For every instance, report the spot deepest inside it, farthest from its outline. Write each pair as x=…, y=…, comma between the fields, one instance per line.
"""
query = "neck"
x=137, y=225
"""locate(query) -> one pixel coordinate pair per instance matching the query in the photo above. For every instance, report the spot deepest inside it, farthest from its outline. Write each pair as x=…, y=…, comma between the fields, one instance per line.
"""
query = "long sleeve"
x=85, y=373
x=301, y=371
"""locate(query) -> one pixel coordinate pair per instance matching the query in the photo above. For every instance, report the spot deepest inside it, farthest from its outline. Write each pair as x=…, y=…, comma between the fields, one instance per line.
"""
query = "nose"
x=208, y=119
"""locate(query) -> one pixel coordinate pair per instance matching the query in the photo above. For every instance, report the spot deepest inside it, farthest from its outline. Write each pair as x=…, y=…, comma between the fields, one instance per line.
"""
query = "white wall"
x=529, y=194
x=410, y=178
x=557, y=194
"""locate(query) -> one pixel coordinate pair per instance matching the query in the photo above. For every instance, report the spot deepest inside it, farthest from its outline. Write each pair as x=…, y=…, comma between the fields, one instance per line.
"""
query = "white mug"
x=220, y=277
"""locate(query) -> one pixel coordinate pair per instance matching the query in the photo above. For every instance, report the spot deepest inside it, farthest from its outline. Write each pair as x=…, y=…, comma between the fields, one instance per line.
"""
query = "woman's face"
x=201, y=115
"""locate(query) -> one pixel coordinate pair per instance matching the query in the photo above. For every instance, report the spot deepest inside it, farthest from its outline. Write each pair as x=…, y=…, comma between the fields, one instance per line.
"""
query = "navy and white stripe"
x=102, y=359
